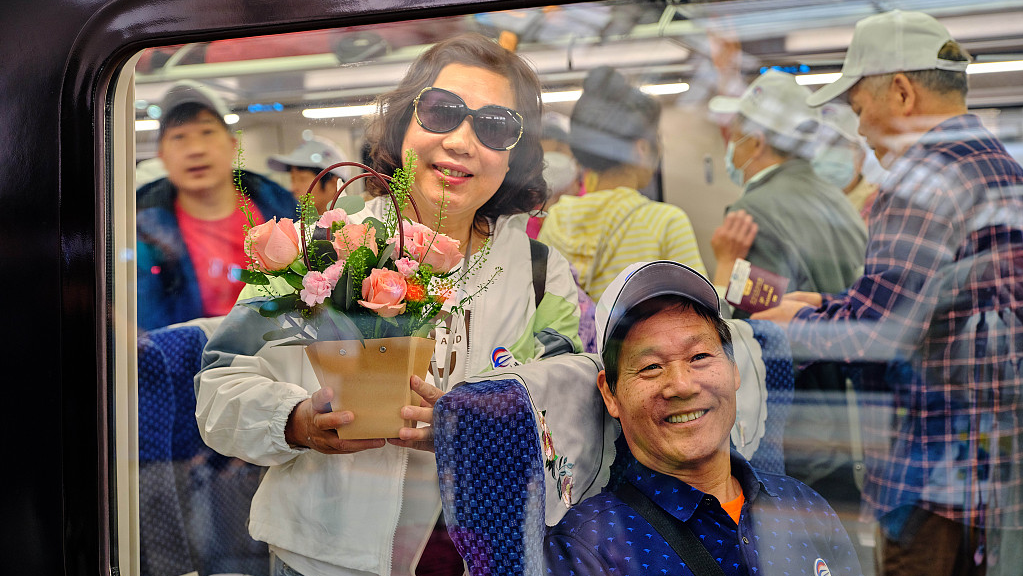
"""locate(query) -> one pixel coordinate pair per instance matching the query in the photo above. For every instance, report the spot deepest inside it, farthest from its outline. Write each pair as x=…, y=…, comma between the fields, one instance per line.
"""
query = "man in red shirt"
x=189, y=224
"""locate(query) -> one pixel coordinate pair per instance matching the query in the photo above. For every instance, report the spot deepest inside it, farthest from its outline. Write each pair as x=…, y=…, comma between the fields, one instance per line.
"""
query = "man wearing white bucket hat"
x=806, y=229
x=938, y=310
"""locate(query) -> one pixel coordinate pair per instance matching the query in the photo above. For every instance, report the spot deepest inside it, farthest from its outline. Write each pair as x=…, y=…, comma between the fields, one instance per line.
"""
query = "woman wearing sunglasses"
x=470, y=110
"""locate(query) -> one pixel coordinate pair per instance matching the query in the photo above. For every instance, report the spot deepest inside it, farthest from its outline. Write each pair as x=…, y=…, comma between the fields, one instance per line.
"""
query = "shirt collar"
x=679, y=498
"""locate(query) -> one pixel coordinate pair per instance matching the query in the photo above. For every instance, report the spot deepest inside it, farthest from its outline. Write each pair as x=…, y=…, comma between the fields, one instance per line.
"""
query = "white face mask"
x=835, y=164
x=560, y=172
x=735, y=174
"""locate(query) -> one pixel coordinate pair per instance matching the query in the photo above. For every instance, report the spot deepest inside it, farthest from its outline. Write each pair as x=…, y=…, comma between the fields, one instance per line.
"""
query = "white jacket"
x=344, y=509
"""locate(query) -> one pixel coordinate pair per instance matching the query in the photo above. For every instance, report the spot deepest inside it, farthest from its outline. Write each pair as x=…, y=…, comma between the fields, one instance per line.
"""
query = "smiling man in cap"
x=671, y=381
x=938, y=310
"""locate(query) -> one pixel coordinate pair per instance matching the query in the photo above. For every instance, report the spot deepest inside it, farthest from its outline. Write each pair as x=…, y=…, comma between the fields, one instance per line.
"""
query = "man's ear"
x=736, y=375
x=760, y=144
x=607, y=395
x=904, y=93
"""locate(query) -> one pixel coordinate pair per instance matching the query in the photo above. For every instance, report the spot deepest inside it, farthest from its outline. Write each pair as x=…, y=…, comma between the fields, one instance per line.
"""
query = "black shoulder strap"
x=539, y=260
x=676, y=533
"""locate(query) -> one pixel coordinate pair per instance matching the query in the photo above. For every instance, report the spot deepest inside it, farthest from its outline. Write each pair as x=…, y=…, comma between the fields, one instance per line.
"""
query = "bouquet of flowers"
x=330, y=279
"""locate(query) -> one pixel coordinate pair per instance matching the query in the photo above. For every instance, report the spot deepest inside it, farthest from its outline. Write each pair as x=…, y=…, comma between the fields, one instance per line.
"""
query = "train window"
x=250, y=437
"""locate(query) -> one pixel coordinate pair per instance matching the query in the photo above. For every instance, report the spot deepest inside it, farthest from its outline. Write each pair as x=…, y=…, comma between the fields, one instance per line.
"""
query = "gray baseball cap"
x=895, y=41
x=188, y=91
x=773, y=100
x=643, y=281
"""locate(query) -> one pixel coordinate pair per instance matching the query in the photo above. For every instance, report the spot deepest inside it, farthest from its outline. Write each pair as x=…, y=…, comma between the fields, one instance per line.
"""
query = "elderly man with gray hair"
x=937, y=313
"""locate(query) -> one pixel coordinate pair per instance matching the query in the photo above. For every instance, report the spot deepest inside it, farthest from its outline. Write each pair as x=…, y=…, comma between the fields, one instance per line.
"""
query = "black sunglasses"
x=439, y=111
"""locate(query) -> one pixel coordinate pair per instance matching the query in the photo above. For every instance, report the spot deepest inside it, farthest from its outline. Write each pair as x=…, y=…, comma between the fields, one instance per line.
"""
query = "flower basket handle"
x=369, y=173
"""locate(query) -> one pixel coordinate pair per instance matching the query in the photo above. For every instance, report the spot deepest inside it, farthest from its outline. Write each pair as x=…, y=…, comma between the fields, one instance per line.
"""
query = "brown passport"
x=753, y=289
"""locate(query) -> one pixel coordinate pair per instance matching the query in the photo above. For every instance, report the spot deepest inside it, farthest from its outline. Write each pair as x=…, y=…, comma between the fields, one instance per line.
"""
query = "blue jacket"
x=168, y=290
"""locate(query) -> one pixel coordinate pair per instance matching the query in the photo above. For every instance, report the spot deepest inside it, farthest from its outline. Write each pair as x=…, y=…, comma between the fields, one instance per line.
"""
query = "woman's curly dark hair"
x=523, y=189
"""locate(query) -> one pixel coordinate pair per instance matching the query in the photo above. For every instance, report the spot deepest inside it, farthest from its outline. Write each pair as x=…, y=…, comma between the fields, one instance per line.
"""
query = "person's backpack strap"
x=676, y=533
x=539, y=260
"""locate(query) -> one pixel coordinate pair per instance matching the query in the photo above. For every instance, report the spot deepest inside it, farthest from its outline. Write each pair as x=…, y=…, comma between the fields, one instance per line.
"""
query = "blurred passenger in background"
x=561, y=171
x=563, y=176
x=190, y=248
x=806, y=229
x=842, y=154
x=308, y=159
x=614, y=136
x=938, y=310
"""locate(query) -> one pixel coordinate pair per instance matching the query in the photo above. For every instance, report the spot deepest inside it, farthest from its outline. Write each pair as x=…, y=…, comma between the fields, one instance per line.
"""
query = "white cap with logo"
x=773, y=100
x=895, y=41
x=317, y=153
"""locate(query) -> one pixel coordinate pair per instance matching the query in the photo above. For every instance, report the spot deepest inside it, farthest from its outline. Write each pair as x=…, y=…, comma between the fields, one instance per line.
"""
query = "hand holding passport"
x=753, y=289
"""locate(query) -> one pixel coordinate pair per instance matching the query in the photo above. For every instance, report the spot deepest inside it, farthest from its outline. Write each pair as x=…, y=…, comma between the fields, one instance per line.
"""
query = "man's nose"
x=680, y=382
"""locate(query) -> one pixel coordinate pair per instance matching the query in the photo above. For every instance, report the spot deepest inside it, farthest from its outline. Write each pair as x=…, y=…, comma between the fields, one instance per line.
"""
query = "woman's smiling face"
x=474, y=171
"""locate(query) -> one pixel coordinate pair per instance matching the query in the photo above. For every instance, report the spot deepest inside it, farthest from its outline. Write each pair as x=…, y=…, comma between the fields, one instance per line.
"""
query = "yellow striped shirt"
x=625, y=227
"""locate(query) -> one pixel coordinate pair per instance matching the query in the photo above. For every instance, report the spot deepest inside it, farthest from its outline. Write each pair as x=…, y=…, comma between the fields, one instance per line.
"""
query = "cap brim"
x=724, y=105
x=651, y=280
x=279, y=163
x=832, y=91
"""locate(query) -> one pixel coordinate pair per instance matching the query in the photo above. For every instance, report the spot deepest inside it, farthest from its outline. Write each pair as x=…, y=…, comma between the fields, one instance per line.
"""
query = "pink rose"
x=430, y=247
x=333, y=272
x=352, y=236
x=274, y=244
x=384, y=292
x=406, y=266
x=330, y=217
x=315, y=288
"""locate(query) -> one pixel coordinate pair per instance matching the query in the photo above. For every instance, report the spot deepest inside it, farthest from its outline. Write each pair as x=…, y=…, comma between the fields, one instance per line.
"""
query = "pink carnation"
x=315, y=288
x=330, y=217
x=384, y=292
x=352, y=236
x=406, y=266
x=333, y=272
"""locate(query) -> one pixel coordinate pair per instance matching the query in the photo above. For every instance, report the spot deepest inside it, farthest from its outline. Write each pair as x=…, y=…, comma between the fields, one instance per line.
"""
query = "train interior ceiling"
x=285, y=87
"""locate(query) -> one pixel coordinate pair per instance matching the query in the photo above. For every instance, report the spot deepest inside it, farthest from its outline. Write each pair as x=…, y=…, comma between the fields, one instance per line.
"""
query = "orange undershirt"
x=733, y=508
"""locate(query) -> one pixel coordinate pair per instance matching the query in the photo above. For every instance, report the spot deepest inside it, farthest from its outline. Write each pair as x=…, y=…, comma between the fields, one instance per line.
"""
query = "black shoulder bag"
x=676, y=533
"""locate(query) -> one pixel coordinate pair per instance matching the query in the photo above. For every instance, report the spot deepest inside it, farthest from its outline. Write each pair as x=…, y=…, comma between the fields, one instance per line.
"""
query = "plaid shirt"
x=936, y=319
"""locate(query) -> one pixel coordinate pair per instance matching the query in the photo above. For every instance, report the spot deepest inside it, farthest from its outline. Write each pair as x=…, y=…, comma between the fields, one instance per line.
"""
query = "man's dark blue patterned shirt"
x=785, y=528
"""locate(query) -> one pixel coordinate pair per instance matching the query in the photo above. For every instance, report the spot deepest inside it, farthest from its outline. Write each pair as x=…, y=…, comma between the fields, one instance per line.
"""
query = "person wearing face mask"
x=806, y=229
x=562, y=173
x=614, y=137
x=842, y=158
